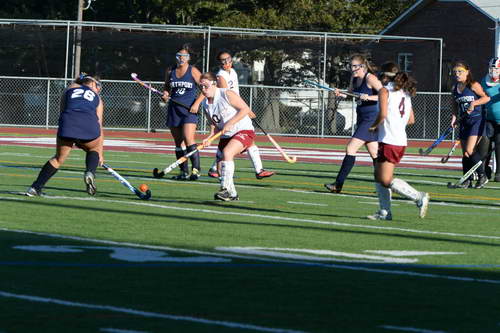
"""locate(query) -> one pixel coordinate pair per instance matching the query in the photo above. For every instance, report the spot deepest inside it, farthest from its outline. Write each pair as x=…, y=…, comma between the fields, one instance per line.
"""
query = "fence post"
x=47, y=107
x=149, y=111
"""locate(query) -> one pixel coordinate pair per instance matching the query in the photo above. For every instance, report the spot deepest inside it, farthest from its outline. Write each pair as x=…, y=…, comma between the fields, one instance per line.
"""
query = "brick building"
x=470, y=31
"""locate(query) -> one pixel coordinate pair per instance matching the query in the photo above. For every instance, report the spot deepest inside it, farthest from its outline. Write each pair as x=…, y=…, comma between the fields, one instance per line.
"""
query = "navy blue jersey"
x=183, y=89
x=79, y=119
x=464, y=99
x=365, y=107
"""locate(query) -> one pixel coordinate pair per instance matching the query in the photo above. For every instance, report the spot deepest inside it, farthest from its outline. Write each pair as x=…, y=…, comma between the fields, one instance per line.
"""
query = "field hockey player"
x=395, y=113
x=180, y=85
x=469, y=96
x=228, y=78
x=367, y=84
x=80, y=124
x=229, y=114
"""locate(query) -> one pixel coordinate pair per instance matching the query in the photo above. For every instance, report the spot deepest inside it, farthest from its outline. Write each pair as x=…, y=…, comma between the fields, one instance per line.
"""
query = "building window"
x=405, y=61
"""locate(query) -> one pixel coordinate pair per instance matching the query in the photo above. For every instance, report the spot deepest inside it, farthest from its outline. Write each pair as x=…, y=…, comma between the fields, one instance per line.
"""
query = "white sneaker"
x=381, y=215
x=423, y=204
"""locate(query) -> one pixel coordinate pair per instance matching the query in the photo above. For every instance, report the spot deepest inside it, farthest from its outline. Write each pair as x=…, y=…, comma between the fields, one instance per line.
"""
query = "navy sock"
x=92, y=161
x=179, y=152
x=465, y=164
x=474, y=159
x=43, y=177
x=346, y=168
x=195, y=158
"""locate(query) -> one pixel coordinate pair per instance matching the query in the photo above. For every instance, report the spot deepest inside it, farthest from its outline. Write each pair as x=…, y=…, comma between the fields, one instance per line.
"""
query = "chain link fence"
x=291, y=111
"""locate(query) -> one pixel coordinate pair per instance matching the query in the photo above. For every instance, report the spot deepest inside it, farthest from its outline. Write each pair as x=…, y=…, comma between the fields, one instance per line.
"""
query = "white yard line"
x=409, y=329
x=146, y=314
x=306, y=203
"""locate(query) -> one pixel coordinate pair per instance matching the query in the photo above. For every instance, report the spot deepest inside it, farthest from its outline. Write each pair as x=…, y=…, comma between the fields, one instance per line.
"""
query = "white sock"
x=384, y=197
x=254, y=156
x=227, y=173
x=403, y=188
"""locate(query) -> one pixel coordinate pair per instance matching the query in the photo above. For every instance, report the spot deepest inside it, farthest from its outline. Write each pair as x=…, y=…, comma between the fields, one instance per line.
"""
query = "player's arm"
x=221, y=82
x=454, y=112
x=411, y=120
x=196, y=76
x=167, y=87
x=374, y=83
x=239, y=104
x=100, y=114
x=483, y=97
x=383, y=101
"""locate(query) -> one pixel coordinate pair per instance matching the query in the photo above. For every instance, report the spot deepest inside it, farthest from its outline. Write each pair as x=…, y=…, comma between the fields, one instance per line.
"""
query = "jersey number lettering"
x=89, y=95
x=402, y=107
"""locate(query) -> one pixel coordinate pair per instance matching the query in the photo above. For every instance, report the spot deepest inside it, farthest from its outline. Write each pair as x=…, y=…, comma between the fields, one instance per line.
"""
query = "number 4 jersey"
x=393, y=129
x=78, y=118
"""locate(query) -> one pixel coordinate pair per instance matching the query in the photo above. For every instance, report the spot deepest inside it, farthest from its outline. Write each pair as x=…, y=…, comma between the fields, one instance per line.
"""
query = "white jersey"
x=220, y=111
x=231, y=78
x=393, y=129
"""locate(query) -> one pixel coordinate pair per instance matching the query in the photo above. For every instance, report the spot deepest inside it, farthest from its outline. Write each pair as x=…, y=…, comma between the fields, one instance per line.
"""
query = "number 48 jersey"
x=393, y=129
x=78, y=119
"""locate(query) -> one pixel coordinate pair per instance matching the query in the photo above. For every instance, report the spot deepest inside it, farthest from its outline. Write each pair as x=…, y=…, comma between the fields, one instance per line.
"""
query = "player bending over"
x=80, y=124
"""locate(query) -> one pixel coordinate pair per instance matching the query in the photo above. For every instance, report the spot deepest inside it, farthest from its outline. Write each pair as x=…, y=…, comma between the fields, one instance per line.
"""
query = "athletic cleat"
x=423, y=204
x=465, y=184
x=89, y=180
x=181, y=176
x=334, y=187
x=195, y=174
x=263, y=174
x=381, y=214
x=483, y=180
x=224, y=195
x=33, y=192
x=213, y=173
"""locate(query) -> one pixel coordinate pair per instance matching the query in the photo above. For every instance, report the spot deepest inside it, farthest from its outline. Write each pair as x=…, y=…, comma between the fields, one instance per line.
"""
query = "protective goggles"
x=355, y=67
x=226, y=61
x=459, y=70
x=205, y=84
x=182, y=56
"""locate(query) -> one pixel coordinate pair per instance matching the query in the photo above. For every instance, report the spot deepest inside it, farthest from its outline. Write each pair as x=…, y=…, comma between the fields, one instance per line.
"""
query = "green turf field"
x=287, y=257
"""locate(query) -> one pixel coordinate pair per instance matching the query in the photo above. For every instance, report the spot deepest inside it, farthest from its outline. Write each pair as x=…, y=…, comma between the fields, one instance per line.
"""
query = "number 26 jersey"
x=78, y=119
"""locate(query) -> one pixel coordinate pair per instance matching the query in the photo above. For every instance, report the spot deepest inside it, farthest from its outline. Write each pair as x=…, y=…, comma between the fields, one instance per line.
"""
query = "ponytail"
x=405, y=82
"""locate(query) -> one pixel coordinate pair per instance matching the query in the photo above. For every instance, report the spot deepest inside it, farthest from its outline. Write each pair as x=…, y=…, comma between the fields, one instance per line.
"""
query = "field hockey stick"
x=435, y=143
x=312, y=83
x=445, y=159
x=466, y=176
x=160, y=174
x=289, y=159
x=143, y=196
x=148, y=86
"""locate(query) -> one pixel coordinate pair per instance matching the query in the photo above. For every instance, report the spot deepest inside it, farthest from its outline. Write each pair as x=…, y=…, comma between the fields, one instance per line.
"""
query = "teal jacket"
x=493, y=106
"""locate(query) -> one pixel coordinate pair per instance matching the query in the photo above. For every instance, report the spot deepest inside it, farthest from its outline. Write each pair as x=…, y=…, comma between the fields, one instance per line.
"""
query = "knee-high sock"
x=346, y=168
x=43, y=177
x=92, y=161
x=254, y=156
x=195, y=158
x=179, y=152
x=465, y=164
x=384, y=196
x=474, y=159
x=227, y=173
x=403, y=188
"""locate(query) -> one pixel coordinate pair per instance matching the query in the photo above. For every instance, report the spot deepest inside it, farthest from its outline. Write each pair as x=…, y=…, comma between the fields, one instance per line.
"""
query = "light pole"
x=78, y=40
